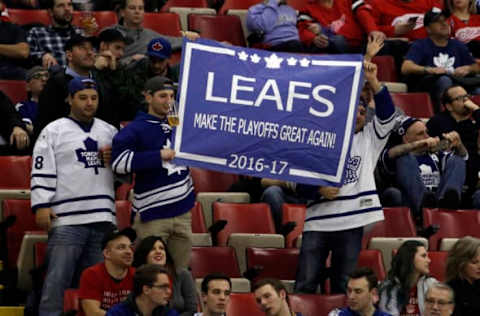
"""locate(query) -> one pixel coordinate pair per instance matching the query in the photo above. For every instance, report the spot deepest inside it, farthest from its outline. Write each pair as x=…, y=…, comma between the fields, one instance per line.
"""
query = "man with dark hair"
x=108, y=283
x=272, y=298
x=463, y=116
x=361, y=294
x=13, y=132
x=216, y=289
x=150, y=295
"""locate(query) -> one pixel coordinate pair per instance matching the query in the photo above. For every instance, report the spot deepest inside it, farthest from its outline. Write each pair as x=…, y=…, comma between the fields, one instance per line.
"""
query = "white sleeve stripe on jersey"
x=122, y=162
x=43, y=187
x=128, y=166
x=163, y=202
x=147, y=194
x=119, y=159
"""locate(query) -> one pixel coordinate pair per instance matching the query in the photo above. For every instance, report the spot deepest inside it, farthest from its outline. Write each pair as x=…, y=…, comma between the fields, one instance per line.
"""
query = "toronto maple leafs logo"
x=443, y=60
x=353, y=164
x=89, y=155
x=171, y=167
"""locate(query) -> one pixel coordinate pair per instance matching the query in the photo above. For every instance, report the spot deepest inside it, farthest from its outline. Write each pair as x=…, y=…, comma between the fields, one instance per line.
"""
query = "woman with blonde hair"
x=465, y=23
x=463, y=275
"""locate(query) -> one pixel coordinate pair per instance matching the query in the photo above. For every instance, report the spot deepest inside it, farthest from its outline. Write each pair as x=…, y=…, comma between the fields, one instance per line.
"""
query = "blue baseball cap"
x=159, y=48
x=77, y=84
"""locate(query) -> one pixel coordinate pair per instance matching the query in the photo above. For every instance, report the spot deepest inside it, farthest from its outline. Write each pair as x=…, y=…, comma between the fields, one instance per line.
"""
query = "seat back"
x=386, y=70
x=184, y=3
x=239, y=219
x=71, y=300
x=211, y=181
x=103, y=18
x=242, y=304
x=164, y=23
x=16, y=90
x=453, y=224
x=293, y=213
x=237, y=4
x=273, y=263
x=198, y=221
x=206, y=260
x=298, y=4
x=218, y=27
x=23, y=16
x=398, y=222
x=25, y=221
x=372, y=258
x=40, y=252
x=16, y=172
x=123, y=212
x=438, y=264
x=415, y=104
x=316, y=305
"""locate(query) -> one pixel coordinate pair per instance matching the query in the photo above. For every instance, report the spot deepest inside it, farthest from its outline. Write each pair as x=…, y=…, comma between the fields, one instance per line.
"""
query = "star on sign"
x=292, y=61
x=273, y=61
x=304, y=62
x=243, y=56
x=255, y=58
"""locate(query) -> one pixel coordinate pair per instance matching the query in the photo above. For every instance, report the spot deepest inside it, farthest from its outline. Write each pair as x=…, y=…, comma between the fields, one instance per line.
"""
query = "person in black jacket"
x=463, y=275
x=14, y=138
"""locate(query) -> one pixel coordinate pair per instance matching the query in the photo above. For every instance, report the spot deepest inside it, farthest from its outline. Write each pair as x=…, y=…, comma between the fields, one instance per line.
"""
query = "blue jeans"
x=345, y=246
x=70, y=250
x=413, y=189
x=275, y=196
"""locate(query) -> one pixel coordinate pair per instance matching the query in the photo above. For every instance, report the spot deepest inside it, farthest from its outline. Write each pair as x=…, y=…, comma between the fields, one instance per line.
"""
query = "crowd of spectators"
x=80, y=87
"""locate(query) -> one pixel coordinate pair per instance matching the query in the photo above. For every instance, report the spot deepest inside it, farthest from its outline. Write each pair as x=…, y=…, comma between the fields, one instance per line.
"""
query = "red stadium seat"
x=123, y=214
x=23, y=17
x=254, y=218
x=237, y=4
x=453, y=224
x=123, y=191
x=25, y=221
x=476, y=99
x=316, y=305
x=163, y=23
x=298, y=4
x=438, y=264
x=184, y=3
x=398, y=223
x=293, y=213
x=386, y=70
x=211, y=181
x=198, y=221
x=242, y=304
x=16, y=90
x=415, y=104
x=273, y=263
x=40, y=251
x=16, y=172
x=372, y=258
x=206, y=260
x=103, y=18
x=71, y=300
x=218, y=27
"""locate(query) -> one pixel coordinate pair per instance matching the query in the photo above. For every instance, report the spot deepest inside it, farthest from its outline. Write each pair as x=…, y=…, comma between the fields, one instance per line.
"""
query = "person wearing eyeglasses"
x=439, y=301
x=150, y=295
x=462, y=115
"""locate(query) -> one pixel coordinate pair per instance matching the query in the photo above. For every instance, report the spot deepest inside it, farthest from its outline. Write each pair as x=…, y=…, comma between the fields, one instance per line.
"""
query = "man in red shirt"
x=108, y=283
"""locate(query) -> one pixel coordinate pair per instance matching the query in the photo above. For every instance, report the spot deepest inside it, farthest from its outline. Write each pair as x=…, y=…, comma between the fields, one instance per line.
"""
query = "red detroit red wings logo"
x=467, y=34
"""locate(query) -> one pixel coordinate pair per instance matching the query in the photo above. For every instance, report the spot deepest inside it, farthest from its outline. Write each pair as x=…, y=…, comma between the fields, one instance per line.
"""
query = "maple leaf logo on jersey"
x=353, y=164
x=171, y=167
x=443, y=60
x=89, y=155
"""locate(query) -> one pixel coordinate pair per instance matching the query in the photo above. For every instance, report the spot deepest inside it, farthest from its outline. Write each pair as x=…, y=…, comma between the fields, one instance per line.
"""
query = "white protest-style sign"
x=266, y=114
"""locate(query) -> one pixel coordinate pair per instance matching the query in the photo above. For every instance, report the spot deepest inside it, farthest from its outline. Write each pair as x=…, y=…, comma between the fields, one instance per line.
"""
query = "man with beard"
x=47, y=43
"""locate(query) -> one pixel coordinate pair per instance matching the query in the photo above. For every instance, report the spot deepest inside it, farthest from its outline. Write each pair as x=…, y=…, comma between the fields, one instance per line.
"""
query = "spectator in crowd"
x=151, y=292
x=215, y=294
x=153, y=250
x=463, y=275
x=110, y=282
x=436, y=62
x=131, y=19
x=329, y=25
x=143, y=147
x=13, y=132
x=463, y=116
x=113, y=42
x=427, y=171
x=361, y=295
x=336, y=217
x=77, y=214
x=273, y=24
x=407, y=282
x=465, y=23
x=439, y=300
x=36, y=79
x=47, y=43
x=13, y=48
x=272, y=298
